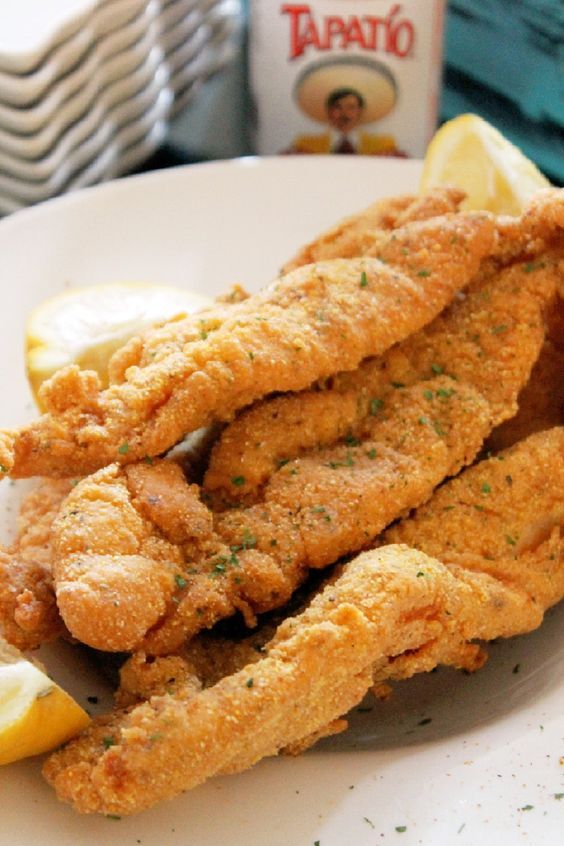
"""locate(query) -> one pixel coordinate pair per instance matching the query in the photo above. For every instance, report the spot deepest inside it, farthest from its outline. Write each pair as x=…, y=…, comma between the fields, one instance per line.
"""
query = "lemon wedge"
x=85, y=326
x=471, y=154
x=36, y=715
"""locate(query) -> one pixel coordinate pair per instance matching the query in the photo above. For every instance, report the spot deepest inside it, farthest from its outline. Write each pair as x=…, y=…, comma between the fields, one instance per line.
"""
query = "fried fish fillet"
x=489, y=338
x=393, y=611
x=304, y=326
x=28, y=609
x=141, y=563
x=357, y=234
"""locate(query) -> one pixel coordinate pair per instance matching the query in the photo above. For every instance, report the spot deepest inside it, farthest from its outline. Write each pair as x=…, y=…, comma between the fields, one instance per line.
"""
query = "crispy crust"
x=392, y=612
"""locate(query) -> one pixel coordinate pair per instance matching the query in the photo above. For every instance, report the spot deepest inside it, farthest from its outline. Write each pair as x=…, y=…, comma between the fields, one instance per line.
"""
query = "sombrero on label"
x=372, y=80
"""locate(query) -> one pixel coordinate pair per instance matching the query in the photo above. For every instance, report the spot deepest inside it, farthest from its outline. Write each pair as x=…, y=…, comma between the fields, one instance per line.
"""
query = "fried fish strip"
x=302, y=327
x=393, y=611
x=131, y=573
x=490, y=338
x=357, y=234
x=28, y=609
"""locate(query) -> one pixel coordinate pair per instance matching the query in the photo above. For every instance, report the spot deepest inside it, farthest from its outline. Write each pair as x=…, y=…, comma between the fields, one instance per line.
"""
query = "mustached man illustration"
x=367, y=93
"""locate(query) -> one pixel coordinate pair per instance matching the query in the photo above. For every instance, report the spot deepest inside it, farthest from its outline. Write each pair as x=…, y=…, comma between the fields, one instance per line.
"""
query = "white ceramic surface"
x=64, y=102
x=98, y=157
x=88, y=137
x=25, y=90
x=487, y=769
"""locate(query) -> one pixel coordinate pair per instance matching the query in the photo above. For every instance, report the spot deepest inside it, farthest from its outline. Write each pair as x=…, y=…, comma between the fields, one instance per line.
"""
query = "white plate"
x=496, y=739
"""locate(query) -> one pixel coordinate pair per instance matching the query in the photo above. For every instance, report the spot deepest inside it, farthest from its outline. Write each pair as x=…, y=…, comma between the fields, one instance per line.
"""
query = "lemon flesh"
x=85, y=326
x=36, y=715
x=471, y=154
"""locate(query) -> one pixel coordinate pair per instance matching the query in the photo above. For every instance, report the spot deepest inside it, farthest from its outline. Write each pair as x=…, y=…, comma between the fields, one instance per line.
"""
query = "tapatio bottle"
x=345, y=76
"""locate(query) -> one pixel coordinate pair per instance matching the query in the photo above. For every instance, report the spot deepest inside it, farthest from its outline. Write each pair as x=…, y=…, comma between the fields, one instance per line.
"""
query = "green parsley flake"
x=436, y=368
x=375, y=405
x=250, y=682
x=123, y=449
x=486, y=489
x=497, y=330
x=371, y=453
x=238, y=481
x=420, y=573
x=363, y=280
x=180, y=581
x=401, y=828
x=428, y=394
x=559, y=796
x=424, y=272
x=527, y=808
x=533, y=265
x=3, y=469
x=108, y=742
x=510, y=540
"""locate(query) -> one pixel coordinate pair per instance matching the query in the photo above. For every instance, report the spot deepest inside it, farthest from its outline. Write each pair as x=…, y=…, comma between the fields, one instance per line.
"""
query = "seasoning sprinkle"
x=363, y=279
x=123, y=449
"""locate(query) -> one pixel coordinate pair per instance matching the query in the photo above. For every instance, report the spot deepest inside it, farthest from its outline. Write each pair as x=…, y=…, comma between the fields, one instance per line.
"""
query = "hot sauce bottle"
x=345, y=76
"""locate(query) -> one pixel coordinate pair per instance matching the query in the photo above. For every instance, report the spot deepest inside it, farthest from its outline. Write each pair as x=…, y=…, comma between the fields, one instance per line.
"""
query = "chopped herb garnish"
x=533, y=265
x=363, y=280
x=249, y=540
x=375, y=405
x=397, y=384
x=527, y=808
x=370, y=823
x=250, y=682
x=420, y=573
x=401, y=828
x=509, y=480
x=497, y=330
x=559, y=796
x=283, y=462
x=486, y=489
x=445, y=393
x=436, y=368
x=510, y=540
x=148, y=460
x=3, y=469
x=428, y=395
x=180, y=581
x=423, y=420
x=203, y=334
x=113, y=817
x=350, y=440
x=123, y=449
x=371, y=453
x=238, y=481
x=108, y=741
x=424, y=272
x=251, y=355
x=439, y=429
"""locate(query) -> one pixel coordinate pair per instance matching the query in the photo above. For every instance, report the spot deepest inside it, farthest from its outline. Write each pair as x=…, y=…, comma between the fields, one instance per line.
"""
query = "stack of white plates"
x=87, y=87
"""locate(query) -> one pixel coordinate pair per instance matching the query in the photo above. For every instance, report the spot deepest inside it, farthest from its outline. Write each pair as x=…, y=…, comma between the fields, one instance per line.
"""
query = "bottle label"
x=345, y=76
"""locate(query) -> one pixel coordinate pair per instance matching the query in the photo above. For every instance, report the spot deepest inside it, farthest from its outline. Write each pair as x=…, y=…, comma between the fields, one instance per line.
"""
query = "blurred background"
x=95, y=89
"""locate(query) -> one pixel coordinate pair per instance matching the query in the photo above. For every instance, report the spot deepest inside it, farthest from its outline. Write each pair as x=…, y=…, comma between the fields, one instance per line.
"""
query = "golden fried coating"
x=128, y=578
x=304, y=326
x=392, y=612
x=356, y=235
x=28, y=609
x=489, y=338
x=541, y=402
